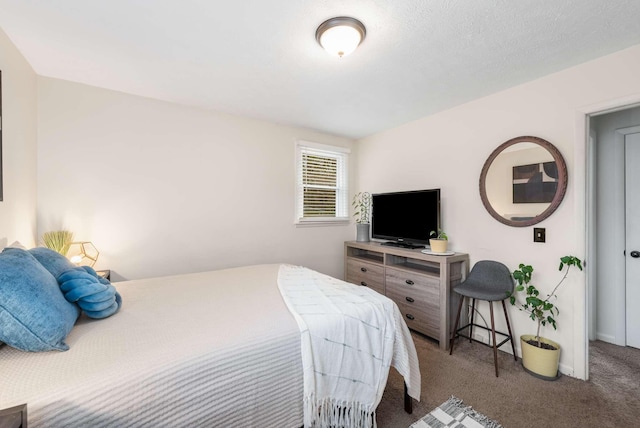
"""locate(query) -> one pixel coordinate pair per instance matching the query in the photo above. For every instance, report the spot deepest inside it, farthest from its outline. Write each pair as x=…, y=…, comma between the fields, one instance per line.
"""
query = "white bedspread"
x=350, y=337
x=214, y=349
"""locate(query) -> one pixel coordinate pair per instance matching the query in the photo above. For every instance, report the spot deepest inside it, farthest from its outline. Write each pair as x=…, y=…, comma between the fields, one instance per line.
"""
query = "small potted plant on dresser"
x=439, y=241
x=540, y=356
x=362, y=214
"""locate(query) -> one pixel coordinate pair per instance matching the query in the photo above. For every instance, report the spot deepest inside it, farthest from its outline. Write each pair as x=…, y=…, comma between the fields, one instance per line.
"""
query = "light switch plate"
x=539, y=234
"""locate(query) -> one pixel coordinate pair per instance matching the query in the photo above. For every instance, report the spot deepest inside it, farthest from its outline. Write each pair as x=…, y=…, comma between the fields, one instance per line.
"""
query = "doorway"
x=611, y=225
x=632, y=235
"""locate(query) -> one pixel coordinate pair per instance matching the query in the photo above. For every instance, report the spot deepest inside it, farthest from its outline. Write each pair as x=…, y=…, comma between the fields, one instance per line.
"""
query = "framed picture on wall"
x=535, y=183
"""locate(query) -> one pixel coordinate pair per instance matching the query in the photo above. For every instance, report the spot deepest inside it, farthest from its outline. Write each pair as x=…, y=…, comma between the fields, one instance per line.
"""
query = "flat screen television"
x=405, y=218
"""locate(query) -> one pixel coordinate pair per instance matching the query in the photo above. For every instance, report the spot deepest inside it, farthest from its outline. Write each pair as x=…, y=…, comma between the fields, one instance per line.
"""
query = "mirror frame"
x=560, y=192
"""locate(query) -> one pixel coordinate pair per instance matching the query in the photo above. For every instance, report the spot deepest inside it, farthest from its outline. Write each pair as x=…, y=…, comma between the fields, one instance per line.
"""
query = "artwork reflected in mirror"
x=523, y=181
x=536, y=182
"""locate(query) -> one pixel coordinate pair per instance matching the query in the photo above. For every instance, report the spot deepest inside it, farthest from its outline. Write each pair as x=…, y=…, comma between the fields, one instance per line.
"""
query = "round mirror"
x=523, y=181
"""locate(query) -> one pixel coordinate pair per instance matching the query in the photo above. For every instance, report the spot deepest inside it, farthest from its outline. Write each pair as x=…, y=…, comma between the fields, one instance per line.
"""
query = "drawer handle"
x=363, y=283
x=363, y=269
x=409, y=282
x=411, y=317
x=410, y=299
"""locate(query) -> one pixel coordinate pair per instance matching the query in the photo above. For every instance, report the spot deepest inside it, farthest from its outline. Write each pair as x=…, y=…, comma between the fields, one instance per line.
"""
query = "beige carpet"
x=516, y=399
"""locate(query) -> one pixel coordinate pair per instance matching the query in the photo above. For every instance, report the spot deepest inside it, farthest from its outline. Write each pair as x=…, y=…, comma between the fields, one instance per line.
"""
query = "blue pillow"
x=34, y=314
x=80, y=284
x=95, y=295
x=52, y=261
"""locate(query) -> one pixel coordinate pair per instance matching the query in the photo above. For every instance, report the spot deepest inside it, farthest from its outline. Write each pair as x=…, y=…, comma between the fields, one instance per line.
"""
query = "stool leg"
x=493, y=332
x=473, y=312
x=506, y=316
x=455, y=327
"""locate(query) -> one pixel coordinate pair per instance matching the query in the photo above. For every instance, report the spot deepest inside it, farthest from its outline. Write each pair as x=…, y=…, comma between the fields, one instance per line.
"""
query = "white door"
x=632, y=247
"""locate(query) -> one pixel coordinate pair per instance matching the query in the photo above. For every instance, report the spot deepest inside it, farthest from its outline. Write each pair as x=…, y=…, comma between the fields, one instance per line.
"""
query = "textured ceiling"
x=259, y=58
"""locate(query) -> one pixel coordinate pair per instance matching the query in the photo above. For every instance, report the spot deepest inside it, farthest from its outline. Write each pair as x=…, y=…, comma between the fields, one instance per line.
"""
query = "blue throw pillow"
x=95, y=295
x=34, y=315
x=80, y=284
x=52, y=261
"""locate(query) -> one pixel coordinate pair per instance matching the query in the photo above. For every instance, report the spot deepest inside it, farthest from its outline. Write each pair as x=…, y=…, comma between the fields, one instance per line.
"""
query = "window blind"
x=321, y=183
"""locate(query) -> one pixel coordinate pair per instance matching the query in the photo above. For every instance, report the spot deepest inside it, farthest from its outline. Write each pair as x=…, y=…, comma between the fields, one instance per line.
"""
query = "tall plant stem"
x=566, y=272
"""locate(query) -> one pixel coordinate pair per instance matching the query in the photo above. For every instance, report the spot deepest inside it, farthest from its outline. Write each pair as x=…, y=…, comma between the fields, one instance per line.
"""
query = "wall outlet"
x=539, y=234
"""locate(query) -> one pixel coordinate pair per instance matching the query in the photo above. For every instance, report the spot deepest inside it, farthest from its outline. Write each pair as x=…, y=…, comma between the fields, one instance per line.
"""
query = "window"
x=322, y=191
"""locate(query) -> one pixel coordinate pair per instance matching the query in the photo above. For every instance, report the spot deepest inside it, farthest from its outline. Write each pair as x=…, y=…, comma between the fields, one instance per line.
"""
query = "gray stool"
x=490, y=281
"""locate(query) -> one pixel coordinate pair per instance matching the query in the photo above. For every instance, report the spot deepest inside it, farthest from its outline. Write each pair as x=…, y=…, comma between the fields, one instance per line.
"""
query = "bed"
x=212, y=349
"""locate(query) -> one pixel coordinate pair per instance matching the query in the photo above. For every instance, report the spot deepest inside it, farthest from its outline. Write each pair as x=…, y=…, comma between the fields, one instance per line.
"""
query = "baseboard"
x=565, y=369
x=606, y=338
x=483, y=337
x=480, y=337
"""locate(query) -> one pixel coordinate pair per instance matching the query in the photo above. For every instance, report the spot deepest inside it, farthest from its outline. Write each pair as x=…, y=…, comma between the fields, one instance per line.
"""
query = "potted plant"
x=58, y=241
x=362, y=204
x=439, y=241
x=540, y=356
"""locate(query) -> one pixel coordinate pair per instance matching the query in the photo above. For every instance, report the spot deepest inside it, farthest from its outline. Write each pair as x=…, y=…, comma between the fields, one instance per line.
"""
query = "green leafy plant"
x=58, y=240
x=540, y=310
x=362, y=203
x=439, y=235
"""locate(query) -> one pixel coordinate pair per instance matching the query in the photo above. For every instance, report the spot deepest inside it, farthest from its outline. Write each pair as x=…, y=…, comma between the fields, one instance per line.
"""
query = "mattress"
x=215, y=349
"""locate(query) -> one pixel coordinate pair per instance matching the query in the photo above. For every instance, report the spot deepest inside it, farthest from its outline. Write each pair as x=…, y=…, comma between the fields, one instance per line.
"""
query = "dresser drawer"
x=401, y=284
x=424, y=320
x=364, y=273
x=414, y=300
x=418, y=297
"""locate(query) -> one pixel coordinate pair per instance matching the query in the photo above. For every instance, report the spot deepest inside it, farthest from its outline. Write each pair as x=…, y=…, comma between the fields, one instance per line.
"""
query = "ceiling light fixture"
x=341, y=35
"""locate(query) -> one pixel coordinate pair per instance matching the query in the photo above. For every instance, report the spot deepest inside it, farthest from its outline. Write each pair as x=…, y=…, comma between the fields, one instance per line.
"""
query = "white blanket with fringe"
x=351, y=335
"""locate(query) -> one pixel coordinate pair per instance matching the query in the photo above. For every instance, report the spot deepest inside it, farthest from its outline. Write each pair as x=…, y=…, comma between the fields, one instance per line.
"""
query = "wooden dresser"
x=419, y=283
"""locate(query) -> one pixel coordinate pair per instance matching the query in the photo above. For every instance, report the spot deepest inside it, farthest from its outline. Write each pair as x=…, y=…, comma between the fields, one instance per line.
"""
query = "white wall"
x=162, y=189
x=19, y=114
x=610, y=283
x=447, y=150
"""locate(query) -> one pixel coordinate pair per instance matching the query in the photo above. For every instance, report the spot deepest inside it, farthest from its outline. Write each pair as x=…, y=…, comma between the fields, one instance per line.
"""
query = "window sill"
x=322, y=222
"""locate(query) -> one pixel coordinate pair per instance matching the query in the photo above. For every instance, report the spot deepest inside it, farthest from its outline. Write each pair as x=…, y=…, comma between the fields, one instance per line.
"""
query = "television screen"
x=405, y=217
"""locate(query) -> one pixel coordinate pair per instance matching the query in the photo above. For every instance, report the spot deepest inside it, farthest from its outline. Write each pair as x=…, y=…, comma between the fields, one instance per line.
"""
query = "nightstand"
x=14, y=417
x=106, y=274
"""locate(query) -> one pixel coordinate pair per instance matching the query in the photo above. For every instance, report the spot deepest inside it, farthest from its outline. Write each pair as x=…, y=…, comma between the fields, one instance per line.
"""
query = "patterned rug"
x=453, y=413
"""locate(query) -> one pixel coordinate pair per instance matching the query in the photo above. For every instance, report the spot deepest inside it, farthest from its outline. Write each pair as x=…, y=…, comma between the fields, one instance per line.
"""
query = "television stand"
x=419, y=283
x=402, y=245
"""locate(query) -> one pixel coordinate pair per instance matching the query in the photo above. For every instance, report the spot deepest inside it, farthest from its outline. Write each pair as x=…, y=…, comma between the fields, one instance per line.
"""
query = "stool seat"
x=477, y=290
x=490, y=281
